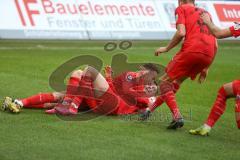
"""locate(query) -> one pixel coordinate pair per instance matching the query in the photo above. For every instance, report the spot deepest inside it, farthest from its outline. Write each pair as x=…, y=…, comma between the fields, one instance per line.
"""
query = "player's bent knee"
x=77, y=73
x=58, y=96
x=228, y=87
x=90, y=71
x=165, y=87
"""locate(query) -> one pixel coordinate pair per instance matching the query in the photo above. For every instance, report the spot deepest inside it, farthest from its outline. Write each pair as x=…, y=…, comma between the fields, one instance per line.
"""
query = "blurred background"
x=102, y=19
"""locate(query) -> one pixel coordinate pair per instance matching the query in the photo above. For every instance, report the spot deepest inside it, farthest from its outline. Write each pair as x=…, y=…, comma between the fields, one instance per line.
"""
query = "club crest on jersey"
x=129, y=77
x=237, y=26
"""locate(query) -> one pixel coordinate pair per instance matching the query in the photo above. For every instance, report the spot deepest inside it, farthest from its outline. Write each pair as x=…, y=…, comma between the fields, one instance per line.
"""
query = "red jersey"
x=198, y=37
x=125, y=86
x=142, y=103
x=235, y=30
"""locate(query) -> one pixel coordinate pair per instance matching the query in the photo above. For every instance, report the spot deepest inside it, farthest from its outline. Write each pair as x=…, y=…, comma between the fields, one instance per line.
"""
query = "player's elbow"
x=181, y=34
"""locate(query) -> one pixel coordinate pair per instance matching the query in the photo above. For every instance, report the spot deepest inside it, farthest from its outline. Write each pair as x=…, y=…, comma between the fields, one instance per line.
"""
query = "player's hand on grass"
x=108, y=71
x=203, y=76
x=206, y=18
x=160, y=50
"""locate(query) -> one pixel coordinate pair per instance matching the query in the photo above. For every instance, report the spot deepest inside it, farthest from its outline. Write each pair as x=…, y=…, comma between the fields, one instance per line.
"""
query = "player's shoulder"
x=181, y=9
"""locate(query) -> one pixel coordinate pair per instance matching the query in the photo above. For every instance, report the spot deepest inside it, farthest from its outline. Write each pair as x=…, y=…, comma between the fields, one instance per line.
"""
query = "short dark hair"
x=185, y=1
x=152, y=67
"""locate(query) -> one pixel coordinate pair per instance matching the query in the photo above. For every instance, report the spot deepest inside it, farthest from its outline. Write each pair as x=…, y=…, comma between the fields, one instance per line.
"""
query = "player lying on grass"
x=195, y=57
x=124, y=94
x=78, y=79
x=228, y=90
x=39, y=101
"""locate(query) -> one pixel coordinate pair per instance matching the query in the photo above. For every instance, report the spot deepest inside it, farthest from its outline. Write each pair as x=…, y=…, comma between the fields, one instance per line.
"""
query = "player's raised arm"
x=216, y=31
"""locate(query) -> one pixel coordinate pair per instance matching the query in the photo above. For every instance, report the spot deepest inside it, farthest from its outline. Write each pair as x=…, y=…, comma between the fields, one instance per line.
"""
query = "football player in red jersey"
x=194, y=58
x=137, y=85
x=110, y=94
x=228, y=90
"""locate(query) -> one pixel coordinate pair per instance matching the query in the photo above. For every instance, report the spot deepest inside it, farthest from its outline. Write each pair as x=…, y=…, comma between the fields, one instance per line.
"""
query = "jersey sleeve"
x=235, y=30
x=180, y=16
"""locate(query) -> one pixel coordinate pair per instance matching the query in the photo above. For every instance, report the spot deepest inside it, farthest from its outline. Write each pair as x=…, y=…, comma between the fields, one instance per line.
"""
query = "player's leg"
x=159, y=101
x=31, y=102
x=72, y=86
x=85, y=90
x=167, y=93
x=225, y=92
x=237, y=110
x=99, y=86
x=103, y=92
x=236, y=91
x=70, y=96
x=39, y=100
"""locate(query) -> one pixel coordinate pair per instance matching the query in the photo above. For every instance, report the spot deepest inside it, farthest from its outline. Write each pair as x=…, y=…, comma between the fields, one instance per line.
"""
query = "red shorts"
x=236, y=87
x=186, y=64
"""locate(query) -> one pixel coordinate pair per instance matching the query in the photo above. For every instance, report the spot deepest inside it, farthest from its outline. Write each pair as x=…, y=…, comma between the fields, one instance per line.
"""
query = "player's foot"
x=51, y=111
x=66, y=109
x=144, y=115
x=202, y=131
x=62, y=109
x=175, y=124
x=9, y=105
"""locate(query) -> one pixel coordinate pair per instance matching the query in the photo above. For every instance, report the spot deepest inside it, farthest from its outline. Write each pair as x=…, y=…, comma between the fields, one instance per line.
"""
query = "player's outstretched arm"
x=177, y=38
x=216, y=31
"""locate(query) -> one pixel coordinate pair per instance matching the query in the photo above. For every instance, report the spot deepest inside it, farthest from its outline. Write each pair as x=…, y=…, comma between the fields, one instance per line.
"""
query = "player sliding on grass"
x=195, y=57
x=81, y=80
x=229, y=90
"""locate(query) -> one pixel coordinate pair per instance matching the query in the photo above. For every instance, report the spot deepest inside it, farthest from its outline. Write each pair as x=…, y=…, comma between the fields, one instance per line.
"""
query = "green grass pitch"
x=25, y=67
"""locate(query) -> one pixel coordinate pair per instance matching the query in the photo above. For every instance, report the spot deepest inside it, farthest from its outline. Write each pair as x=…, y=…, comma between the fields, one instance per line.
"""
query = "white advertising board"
x=100, y=19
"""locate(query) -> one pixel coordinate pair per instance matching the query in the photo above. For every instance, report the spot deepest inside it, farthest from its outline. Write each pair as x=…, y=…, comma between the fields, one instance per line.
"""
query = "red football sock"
x=237, y=111
x=159, y=101
x=84, y=90
x=169, y=98
x=72, y=88
x=38, y=99
x=38, y=106
x=218, y=108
